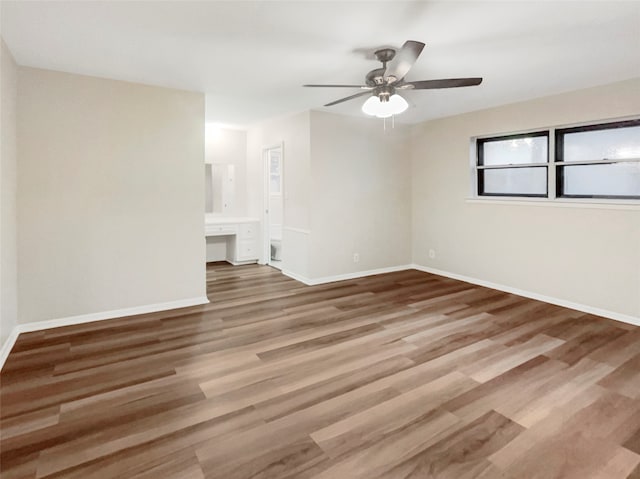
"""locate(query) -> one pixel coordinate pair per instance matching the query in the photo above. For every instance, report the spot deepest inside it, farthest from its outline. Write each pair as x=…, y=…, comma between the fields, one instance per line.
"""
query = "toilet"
x=276, y=242
x=276, y=249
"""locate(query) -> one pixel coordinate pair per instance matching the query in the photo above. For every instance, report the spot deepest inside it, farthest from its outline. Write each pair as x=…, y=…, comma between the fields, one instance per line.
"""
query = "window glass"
x=609, y=144
x=515, y=181
x=607, y=179
x=515, y=151
x=275, y=172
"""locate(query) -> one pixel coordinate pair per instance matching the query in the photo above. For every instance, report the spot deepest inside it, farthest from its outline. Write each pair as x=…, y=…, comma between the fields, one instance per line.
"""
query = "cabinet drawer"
x=247, y=250
x=247, y=230
x=220, y=230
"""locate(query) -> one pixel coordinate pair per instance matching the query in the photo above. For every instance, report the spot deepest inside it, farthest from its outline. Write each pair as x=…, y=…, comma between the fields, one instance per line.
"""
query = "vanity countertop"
x=223, y=220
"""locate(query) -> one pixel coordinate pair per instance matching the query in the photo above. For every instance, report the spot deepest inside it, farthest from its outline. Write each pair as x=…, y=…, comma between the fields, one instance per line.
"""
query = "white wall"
x=293, y=132
x=8, y=226
x=347, y=189
x=583, y=255
x=229, y=147
x=110, y=195
x=224, y=146
x=362, y=195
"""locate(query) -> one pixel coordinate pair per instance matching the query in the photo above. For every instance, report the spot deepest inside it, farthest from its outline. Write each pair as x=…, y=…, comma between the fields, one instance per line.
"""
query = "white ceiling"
x=251, y=58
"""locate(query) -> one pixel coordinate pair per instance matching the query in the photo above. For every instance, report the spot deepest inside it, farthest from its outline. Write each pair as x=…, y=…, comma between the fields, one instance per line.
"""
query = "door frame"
x=266, y=229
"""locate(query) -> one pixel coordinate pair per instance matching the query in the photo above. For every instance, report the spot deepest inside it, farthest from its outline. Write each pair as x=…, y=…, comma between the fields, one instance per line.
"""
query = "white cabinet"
x=242, y=237
x=220, y=229
x=245, y=247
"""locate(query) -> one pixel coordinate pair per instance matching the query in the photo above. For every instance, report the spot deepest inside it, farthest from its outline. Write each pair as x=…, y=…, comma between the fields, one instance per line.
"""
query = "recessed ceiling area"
x=252, y=58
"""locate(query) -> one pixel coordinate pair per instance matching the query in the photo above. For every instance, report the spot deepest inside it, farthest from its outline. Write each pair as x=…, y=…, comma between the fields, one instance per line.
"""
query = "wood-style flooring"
x=393, y=376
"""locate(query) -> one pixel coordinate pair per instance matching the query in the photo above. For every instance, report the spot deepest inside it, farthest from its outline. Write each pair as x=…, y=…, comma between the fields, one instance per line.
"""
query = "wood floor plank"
x=625, y=378
x=507, y=359
x=397, y=375
x=462, y=454
x=378, y=458
x=374, y=424
x=302, y=398
x=585, y=434
x=635, y=474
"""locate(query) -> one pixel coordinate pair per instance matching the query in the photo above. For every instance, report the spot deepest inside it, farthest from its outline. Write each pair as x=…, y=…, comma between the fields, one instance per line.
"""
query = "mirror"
x=208, y=188
x=219, y=188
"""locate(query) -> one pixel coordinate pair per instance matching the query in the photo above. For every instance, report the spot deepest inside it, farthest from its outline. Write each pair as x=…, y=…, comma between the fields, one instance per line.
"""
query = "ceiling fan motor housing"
x=385, y=54
x=377, y=77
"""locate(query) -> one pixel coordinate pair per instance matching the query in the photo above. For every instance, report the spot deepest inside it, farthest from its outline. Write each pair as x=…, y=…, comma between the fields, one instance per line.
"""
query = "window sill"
x=563, y=203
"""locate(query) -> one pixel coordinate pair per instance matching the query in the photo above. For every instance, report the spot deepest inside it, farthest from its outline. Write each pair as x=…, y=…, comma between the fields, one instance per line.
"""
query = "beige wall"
x=582, y=255
x=346, y=190
x=293, y=132
x=8, y=226
x=110, y=195
x=361, y=187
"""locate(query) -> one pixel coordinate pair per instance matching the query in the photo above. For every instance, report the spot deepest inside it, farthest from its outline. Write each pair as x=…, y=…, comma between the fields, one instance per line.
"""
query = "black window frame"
x=560, y=164
x=481, y=167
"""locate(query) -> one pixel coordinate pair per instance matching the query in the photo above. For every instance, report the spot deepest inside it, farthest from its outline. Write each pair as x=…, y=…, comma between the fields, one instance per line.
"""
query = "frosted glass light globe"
x=374, y=107
x=371, y=106
x=397, y=104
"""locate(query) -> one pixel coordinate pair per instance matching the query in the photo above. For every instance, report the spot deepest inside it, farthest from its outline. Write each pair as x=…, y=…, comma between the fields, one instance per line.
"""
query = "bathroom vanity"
x=241, y=235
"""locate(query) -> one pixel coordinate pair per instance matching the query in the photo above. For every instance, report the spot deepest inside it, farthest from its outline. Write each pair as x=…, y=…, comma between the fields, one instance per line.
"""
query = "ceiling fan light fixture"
x=383, y=81
x=371, y=106
x=374, y=106
x=397, y=104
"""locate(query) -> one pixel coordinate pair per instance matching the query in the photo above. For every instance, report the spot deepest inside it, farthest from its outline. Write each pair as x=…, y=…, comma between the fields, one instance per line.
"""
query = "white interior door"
x=274, y=205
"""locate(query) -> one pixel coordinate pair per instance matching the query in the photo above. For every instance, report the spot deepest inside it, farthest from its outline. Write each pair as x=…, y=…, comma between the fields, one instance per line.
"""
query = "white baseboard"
x=296, y=276
x=8, y=345
x=241, y=263
x=343, y=277
x=152, y=308
x=625, y=318
x=88, y=318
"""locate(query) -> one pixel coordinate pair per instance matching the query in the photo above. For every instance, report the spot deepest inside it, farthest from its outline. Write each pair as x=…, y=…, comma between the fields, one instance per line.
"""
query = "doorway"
x=274, y=205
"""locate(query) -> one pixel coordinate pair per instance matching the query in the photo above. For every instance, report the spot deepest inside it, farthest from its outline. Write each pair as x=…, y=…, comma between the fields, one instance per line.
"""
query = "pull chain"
x=393, y=123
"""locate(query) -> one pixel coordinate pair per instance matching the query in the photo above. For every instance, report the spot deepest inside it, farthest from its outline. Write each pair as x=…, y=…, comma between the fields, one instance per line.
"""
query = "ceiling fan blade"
x=338, y=86
x=351, y=97
x=445, y=83
x=404, y=60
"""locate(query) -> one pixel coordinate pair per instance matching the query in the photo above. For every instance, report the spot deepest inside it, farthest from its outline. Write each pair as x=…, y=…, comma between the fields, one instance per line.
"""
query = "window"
x=590, y=161
x=599, y=161
x=514, y=165
x=275, y=172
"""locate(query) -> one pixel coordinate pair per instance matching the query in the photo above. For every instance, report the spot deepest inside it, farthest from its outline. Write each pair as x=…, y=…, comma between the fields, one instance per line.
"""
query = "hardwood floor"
x=393, y=376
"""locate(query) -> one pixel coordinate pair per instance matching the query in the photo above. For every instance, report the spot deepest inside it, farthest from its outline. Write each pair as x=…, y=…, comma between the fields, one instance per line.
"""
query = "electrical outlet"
x=432, y=253
x=356, y=257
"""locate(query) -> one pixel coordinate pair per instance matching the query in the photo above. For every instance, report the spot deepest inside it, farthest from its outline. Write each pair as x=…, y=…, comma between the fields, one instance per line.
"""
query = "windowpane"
x=608, y=179
x=275, y=164
x=514, y=151
x=274, y=184
x=611, y=144
x=275, y=172
x=514, y=181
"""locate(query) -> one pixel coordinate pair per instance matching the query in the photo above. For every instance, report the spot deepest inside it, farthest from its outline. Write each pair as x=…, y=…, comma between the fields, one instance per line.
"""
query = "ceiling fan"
x=382, y=84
